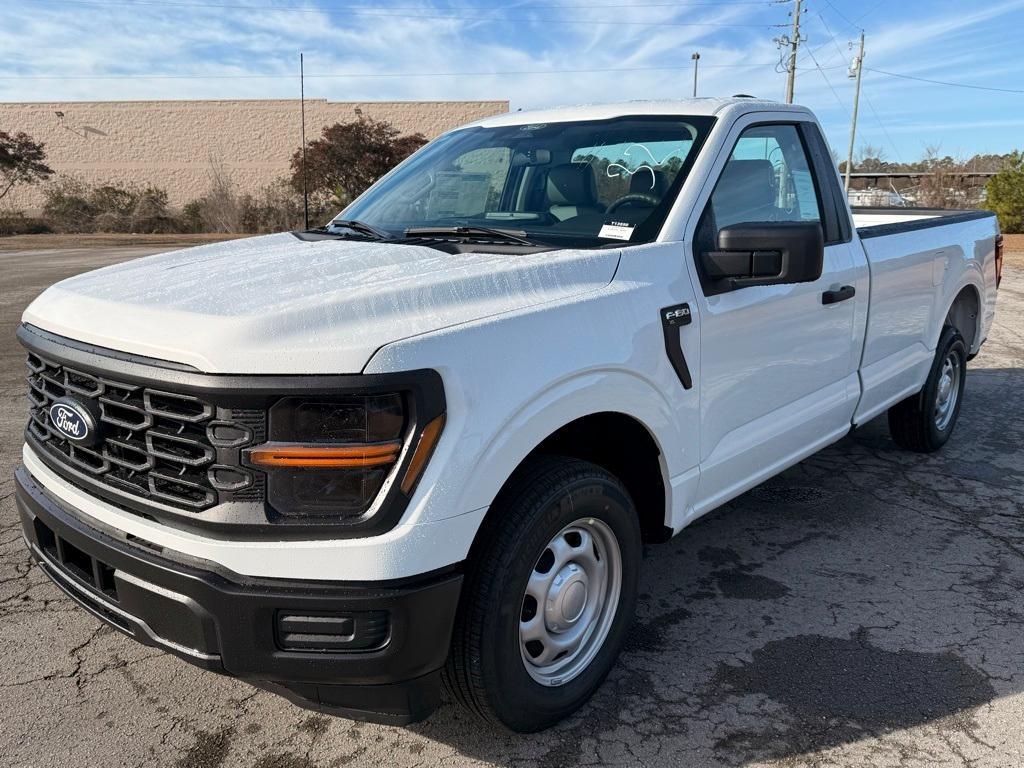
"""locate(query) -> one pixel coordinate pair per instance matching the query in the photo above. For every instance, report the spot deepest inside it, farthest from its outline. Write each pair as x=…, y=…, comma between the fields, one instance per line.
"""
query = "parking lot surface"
x=864, y=608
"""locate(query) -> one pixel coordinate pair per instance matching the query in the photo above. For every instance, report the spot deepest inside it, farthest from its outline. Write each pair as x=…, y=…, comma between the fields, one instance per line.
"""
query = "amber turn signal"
x=325, y=456
x=425, y=447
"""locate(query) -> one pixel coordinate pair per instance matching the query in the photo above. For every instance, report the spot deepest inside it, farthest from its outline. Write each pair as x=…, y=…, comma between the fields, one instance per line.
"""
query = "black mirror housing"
x=765, y=253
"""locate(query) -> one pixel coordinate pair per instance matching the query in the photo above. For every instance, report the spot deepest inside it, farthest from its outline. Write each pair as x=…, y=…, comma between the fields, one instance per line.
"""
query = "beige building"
x=175, y=144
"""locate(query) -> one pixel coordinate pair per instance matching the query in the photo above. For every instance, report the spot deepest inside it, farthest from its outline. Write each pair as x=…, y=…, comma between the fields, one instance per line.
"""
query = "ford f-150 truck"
x=422, y=445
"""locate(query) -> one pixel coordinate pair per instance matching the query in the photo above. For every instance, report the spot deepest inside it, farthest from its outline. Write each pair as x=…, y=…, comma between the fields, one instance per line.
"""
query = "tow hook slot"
x=672, y=318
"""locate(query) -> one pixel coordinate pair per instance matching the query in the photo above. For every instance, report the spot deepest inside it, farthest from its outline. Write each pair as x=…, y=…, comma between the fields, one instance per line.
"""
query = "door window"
x=768, y=178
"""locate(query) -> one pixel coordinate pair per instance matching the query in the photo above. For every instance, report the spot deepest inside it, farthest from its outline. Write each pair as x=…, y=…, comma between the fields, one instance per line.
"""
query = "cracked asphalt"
x=863, y=609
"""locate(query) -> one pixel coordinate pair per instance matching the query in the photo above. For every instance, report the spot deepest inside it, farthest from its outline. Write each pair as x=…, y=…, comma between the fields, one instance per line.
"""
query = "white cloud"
x=944, y=41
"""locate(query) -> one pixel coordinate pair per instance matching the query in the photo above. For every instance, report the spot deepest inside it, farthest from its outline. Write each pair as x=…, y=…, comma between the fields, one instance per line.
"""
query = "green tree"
x=22, y=161
x=1005, y=194
x=349, y=157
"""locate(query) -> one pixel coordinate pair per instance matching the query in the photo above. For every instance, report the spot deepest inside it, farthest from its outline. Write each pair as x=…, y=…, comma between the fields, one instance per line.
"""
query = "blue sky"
x=54, y=50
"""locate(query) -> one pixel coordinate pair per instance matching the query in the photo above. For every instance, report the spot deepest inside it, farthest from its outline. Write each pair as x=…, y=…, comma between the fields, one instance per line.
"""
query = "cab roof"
x=711, y=106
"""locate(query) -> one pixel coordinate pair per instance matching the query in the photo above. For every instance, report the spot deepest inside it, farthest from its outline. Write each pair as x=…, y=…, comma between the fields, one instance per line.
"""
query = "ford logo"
x=74, y=421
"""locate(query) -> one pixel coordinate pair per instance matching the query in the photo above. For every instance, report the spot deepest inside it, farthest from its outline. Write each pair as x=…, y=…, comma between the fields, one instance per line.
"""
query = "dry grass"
x=1014, y=246
x=43, y=242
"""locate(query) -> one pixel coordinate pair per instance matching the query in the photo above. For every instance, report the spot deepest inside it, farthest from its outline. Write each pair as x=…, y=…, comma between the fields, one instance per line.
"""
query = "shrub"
x=17, y=223
x=68, y=207
x=150, y=213
x=276, y=208
x=349, y=157
x=1005, y=195
x=192, y=216
x=72, y=206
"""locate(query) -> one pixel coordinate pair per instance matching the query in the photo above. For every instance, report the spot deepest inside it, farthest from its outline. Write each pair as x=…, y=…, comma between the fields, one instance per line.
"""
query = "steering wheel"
x=635, y=197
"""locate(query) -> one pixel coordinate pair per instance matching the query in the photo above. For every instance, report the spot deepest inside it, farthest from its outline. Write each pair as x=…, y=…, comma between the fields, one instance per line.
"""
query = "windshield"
x=579, y=184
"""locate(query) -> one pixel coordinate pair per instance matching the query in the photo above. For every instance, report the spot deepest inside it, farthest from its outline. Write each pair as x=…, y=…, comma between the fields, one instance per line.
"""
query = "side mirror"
x=765, y=253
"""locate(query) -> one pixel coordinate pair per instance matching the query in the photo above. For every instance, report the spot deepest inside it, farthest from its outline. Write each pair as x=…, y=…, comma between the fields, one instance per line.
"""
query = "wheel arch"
x=633, y=457
x=964, y=314
x=633, y=444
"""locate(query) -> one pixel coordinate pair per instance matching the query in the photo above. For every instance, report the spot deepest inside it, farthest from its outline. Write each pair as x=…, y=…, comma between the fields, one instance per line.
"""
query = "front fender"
x=597, y=391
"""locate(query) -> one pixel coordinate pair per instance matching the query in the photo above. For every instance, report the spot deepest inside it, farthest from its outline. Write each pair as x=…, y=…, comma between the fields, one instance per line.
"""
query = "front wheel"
x=548, y=597
x=925, y=421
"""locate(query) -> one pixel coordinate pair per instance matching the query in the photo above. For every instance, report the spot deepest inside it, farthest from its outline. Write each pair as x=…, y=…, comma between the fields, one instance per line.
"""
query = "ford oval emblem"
x=74, y=421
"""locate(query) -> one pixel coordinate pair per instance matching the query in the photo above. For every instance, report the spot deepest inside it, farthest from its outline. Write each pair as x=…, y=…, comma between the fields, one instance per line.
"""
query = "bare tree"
x=946, y=185
x=870, y=158
x=222, y=205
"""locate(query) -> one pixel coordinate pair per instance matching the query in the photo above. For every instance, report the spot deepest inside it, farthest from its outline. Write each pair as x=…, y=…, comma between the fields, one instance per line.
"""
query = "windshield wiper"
x=510, y=235
x=358, y=226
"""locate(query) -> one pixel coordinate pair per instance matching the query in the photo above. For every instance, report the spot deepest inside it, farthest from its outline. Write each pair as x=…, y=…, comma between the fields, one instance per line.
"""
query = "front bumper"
x=369, y=651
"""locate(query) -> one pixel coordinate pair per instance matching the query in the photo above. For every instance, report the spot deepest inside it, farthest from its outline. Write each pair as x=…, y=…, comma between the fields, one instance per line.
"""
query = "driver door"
x=778, y=365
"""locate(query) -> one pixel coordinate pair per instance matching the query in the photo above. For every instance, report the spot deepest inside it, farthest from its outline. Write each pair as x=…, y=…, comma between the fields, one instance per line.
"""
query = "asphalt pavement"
x=863, y=609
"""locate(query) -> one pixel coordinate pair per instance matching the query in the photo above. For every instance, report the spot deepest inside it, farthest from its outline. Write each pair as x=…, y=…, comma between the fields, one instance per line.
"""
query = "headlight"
x=328, y=459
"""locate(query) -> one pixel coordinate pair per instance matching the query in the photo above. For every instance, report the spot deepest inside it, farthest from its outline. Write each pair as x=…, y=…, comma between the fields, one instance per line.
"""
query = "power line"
x=832, y=37
x=869, y=11
x=867, y=97
x=823, y=45
x=828, y=82
x=448, y=7
x=840, y=14
x=384, y=14
x=262, y=76
x=945, y=82
x=881, y=125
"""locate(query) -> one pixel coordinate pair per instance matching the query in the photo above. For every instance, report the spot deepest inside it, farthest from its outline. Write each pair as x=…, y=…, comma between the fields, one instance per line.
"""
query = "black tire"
x=912, y=422
x=486, y=669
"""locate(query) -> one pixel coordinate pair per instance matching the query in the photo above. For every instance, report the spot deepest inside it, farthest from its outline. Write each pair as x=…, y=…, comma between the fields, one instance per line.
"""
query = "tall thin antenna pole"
x=696, y=61
x=302, y=103
x=794, y=44
x=858, y=65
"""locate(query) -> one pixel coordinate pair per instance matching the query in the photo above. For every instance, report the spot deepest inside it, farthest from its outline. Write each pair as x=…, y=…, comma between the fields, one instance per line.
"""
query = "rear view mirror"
x=530, y=157
x=765, y=253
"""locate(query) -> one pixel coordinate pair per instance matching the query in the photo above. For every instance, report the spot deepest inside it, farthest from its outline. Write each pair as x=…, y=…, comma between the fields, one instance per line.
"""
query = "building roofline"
x=137, y=102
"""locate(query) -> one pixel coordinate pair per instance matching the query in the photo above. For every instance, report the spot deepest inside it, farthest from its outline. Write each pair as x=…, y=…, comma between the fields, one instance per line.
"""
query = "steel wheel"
x=947, y=391
x=570, y=601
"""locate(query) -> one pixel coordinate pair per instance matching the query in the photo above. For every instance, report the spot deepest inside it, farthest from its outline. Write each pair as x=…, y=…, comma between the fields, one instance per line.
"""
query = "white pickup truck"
x=424, y=443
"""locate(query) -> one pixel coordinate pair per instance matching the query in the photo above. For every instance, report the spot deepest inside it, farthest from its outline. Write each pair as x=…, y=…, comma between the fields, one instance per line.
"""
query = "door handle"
x=834, y=297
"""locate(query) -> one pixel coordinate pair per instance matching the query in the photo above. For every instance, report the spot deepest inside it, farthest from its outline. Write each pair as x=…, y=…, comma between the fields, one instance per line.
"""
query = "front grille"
x=155, y=444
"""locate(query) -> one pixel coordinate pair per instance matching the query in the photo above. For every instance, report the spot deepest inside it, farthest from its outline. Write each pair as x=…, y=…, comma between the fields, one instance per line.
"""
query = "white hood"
x=277, y=304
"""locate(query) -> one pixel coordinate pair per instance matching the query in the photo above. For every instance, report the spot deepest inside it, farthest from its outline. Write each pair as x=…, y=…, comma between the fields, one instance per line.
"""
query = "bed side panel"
x=915, y=275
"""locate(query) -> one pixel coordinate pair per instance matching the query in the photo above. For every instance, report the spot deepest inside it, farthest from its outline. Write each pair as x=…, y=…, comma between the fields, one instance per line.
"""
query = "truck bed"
x=876, y=222
x=917, y=256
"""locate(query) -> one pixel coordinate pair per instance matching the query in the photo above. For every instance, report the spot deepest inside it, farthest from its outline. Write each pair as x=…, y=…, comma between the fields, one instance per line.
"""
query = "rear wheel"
x=548, y=597
x=925, y=421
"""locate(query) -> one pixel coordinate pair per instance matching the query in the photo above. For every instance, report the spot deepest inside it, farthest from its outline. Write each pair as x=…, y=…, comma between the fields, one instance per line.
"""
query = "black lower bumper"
x=366, y=651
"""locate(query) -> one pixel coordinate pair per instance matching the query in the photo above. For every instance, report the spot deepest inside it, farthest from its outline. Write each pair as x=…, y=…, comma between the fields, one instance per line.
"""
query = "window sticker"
x=457, y=194
x=806, y=198
x=616, y=230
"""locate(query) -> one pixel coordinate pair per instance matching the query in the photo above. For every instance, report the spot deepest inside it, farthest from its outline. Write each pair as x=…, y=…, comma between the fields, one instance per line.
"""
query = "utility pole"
x=696, y=61
x=794, y=44
x=855, y=71
x=302, y=102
